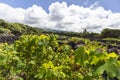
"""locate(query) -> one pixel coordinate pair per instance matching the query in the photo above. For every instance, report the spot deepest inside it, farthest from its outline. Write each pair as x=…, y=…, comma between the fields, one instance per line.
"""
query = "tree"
x=110, y=33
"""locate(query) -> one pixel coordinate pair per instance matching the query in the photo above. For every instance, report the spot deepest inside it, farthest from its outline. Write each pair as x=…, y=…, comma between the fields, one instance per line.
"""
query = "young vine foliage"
x=34, y=57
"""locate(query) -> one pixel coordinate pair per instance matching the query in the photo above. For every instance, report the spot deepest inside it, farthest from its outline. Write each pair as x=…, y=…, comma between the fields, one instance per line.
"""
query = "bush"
x=110, y=33
x=3, y=30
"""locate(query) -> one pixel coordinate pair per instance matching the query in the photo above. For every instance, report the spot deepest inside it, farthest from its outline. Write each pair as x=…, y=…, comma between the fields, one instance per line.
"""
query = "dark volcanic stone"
x=8, y=39
x=72, y=44
x=113, y=50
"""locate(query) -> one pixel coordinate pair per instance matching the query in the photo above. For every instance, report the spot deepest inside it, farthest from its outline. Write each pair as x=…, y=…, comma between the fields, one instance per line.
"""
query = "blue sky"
x=113, y=5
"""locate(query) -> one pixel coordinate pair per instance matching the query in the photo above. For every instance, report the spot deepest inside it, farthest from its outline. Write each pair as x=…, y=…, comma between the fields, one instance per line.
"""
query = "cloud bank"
x=63, y=17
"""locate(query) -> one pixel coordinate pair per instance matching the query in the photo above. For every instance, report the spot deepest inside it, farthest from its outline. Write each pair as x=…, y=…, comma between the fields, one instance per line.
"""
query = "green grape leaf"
x=109, y=67
x=41, y=73
x=81, y=56
x=100, y=70
x=94, y=60
x=32, y=62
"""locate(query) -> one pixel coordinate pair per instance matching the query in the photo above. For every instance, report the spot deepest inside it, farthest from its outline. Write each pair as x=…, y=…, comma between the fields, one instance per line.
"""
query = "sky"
x=67, y=15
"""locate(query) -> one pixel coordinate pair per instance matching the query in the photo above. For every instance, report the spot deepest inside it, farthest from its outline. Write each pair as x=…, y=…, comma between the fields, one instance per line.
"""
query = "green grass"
x=112, y=40
x=3, y=30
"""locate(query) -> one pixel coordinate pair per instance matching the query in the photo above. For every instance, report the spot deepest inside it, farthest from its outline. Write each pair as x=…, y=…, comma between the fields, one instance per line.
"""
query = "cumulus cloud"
x=63, y=17
x=11, y=14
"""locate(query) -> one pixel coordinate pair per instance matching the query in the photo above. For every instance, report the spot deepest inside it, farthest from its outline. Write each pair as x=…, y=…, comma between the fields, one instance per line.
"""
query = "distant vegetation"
x=18, y=29
x=110, y=33
x=9, y=32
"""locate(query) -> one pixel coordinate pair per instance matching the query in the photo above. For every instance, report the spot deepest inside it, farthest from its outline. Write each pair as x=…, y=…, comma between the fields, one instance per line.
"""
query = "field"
x=46, y=57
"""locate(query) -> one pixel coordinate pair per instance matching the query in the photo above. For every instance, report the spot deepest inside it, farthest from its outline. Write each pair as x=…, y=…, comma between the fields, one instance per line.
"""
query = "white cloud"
x=35, y=16
x=63, y=17
x=11, y=14
x=58, y=11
